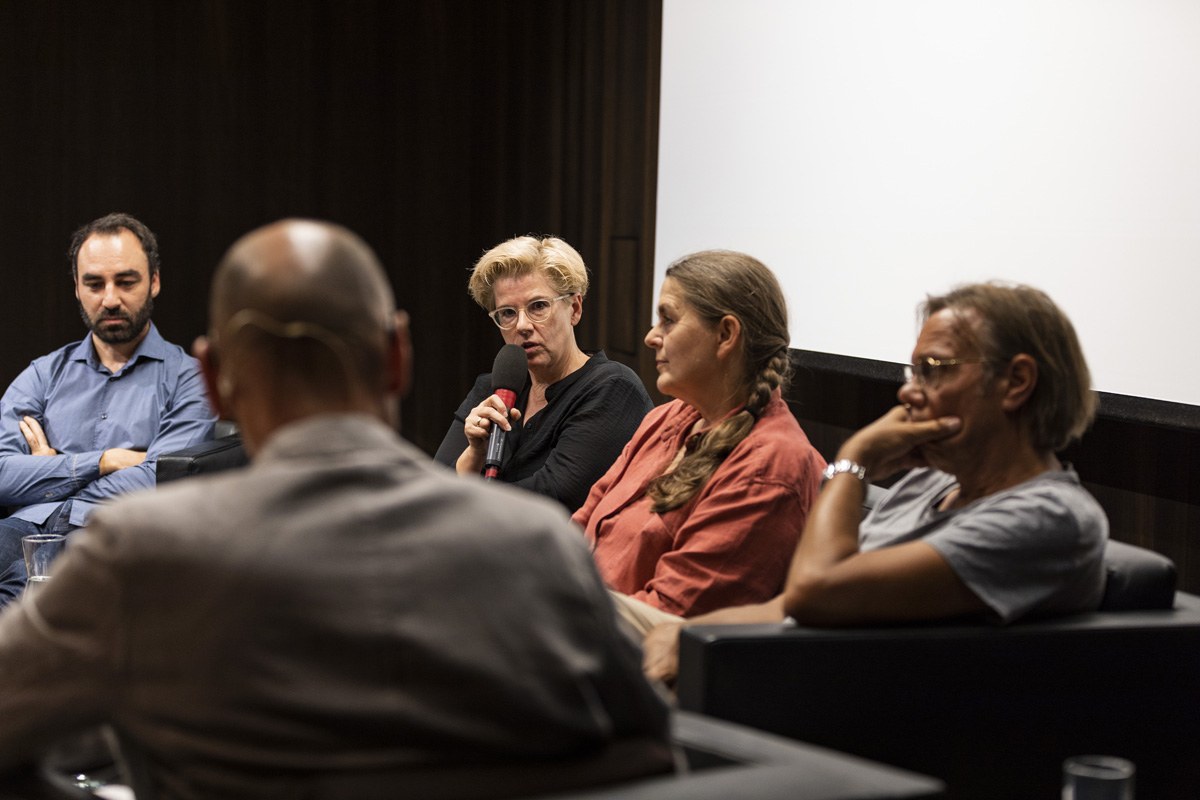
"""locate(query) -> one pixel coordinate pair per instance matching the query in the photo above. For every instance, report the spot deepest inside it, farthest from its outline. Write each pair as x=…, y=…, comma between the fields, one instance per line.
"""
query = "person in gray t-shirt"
x=989, y=524
x=1032, y=549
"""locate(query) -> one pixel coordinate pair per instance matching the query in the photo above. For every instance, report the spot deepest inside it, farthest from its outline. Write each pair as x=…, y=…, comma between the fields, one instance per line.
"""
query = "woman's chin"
x=672, y=390
x=537, y=358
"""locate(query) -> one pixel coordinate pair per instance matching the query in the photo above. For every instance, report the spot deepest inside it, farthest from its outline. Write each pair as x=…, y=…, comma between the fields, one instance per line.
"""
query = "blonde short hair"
x=551, y=257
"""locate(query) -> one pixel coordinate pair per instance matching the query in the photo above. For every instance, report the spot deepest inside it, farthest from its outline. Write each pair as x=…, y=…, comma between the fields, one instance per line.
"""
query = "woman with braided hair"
x=705, y=505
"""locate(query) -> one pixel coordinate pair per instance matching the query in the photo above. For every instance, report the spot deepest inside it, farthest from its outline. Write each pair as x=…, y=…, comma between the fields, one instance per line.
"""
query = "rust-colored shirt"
x=731, y=544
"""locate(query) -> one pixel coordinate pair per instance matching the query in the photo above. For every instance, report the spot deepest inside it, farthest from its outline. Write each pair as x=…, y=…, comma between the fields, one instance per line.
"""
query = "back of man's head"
x=301, y=320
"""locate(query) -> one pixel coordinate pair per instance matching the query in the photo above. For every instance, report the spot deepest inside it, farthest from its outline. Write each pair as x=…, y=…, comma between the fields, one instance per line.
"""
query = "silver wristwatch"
x=846, y=465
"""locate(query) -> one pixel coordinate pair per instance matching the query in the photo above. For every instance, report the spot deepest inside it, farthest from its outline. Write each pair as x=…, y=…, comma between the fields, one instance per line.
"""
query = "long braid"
x=678, y=487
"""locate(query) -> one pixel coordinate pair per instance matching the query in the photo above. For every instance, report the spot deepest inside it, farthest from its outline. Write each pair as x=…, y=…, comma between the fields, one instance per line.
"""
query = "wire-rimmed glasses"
x=927, y=372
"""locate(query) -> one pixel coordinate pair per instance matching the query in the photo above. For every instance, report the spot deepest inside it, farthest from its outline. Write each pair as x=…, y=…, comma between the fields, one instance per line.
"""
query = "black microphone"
x=508, y=375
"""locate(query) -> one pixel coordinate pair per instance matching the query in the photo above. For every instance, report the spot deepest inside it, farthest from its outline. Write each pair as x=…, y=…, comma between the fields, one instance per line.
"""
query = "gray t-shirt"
x=1034, y=549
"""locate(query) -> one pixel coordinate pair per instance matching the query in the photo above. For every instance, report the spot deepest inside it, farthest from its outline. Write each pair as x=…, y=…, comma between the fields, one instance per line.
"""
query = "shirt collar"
x=327, y=435
x=153, y=346
x=556, y=388
x=681, y=429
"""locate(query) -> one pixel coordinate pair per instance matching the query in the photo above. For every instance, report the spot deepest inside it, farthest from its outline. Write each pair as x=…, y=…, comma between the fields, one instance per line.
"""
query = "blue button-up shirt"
x=155, y=403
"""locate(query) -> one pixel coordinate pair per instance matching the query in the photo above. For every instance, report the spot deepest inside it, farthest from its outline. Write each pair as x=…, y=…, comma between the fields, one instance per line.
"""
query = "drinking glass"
x=1097, y=778
x=40, y=551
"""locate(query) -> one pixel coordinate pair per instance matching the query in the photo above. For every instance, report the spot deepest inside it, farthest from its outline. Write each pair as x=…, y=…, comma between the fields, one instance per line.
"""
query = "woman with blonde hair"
x=575, y=410
x=706, y=503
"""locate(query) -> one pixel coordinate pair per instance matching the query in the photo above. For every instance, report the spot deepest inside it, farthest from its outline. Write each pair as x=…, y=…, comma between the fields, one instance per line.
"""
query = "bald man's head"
x=302, y=309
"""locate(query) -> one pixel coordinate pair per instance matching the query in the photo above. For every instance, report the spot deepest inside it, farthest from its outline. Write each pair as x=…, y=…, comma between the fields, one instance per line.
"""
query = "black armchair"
x=992, y=711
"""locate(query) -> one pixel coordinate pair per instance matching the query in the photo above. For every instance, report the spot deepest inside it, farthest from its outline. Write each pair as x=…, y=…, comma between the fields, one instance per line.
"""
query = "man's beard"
x=118, y=334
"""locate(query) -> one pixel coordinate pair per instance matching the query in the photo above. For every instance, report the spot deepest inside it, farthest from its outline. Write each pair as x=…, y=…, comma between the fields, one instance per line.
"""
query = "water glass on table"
x=1097, y=778
x=40, y=550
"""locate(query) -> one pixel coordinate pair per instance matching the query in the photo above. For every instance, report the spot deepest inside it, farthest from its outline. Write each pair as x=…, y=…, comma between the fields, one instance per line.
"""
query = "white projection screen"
x=871, y=151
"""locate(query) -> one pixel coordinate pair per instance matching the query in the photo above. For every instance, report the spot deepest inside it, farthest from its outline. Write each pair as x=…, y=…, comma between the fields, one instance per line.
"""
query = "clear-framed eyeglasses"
x=538, y=310
x=927, y=372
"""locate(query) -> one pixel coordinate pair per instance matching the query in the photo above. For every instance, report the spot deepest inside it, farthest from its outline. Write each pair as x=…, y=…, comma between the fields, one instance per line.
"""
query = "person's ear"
x=210, y=370
x=399, y=357
x=729, y=335
x=576, y=308
x=1020, y=379
x=155, y=284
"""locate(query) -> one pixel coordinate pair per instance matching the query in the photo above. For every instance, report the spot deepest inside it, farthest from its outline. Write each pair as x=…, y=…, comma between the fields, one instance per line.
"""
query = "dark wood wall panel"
x=629, y=178
x=434, y=128
x=622, y=288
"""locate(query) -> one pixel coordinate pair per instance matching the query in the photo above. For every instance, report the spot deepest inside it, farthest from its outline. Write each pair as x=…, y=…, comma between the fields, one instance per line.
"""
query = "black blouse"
x=566, y=447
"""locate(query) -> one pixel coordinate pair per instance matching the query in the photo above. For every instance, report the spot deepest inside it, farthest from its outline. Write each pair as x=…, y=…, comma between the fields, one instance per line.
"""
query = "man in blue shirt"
x=88, y=421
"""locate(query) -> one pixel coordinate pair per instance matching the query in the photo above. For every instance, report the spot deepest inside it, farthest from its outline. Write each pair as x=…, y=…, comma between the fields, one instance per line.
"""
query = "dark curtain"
x=433, y=128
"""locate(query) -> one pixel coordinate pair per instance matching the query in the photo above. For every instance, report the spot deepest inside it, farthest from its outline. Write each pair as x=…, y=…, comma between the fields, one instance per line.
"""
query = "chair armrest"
x=211, y=456
x=966, y=703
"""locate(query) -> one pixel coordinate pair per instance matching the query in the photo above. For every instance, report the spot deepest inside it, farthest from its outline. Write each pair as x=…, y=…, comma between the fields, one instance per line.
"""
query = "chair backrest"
x=1136, y=578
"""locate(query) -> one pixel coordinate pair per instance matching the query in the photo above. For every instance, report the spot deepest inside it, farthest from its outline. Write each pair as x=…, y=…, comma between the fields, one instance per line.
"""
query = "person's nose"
x=652, y=338
x=111, y=299
x=523, y=321
x=910, y=394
